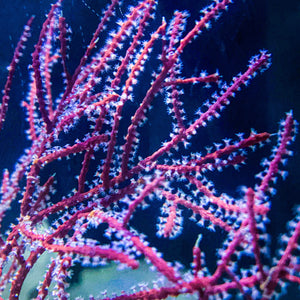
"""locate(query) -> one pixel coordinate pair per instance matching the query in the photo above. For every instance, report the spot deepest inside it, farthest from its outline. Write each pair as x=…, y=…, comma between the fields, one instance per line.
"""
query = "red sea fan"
x=92, y=130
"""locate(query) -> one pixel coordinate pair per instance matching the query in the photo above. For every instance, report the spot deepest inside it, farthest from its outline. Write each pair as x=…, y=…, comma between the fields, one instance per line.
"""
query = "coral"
x=96, y=172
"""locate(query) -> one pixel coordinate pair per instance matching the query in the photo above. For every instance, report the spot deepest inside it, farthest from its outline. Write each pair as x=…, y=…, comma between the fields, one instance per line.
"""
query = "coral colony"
x=89, y=123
